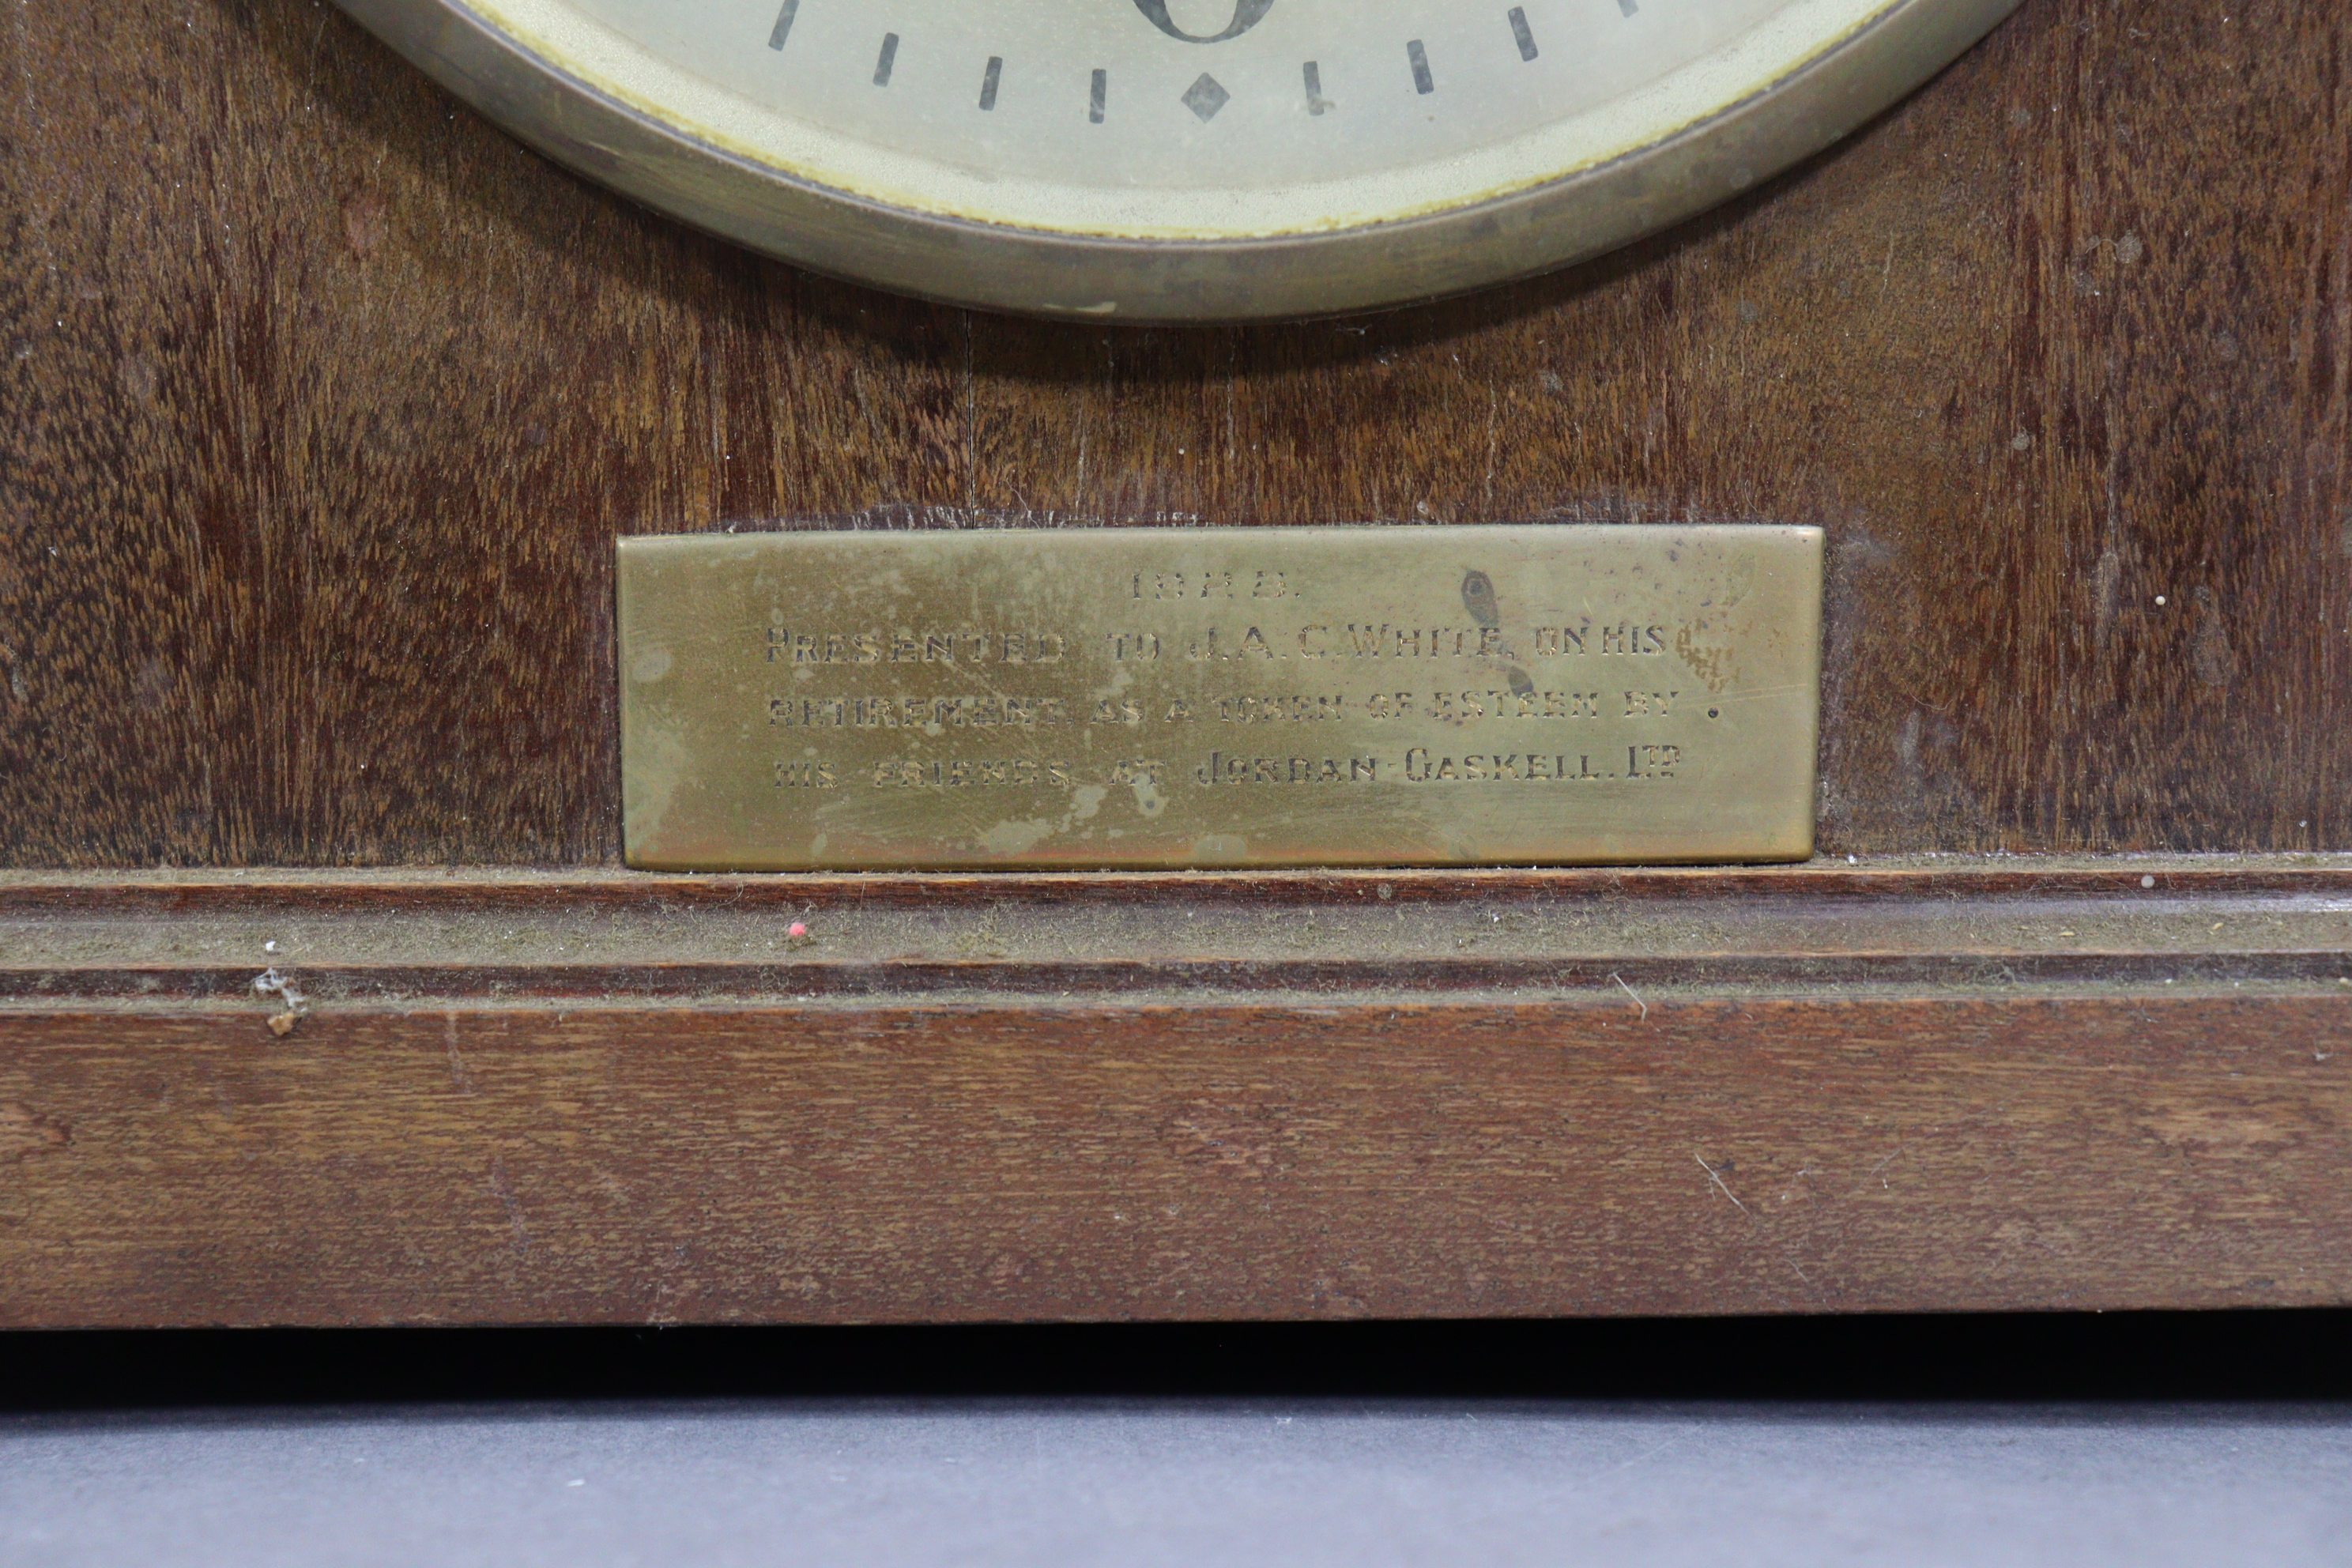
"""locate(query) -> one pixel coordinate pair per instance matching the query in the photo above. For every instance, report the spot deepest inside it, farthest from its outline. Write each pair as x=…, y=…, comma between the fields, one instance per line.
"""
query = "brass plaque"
x=1339, y=696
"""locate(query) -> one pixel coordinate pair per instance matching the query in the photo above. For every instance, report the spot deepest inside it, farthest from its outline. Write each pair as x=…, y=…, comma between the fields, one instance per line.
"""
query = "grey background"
x=1042, y=1482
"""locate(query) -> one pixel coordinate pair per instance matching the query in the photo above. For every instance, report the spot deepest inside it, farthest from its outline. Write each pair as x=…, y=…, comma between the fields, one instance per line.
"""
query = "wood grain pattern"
x=430, y=938
x=518, y=1097
x=321, y=403
x=777, y=1164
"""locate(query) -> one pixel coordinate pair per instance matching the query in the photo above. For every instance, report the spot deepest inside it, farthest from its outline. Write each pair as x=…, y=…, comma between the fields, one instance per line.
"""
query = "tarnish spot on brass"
x=1708, y=653
x=1219, y=697
x=1011, y=840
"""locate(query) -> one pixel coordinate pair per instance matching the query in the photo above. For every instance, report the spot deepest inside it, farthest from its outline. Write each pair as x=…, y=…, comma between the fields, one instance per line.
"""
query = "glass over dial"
x=1180, y=158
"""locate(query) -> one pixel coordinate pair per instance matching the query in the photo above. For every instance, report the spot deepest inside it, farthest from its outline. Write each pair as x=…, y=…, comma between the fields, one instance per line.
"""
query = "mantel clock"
x=808, y=661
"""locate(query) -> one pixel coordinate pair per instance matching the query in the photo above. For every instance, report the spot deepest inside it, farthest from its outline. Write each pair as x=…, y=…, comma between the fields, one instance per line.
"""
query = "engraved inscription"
x=787, y=645
x=959, y=772
x=1222, y=768
x=914, y=712
x=1166, y=697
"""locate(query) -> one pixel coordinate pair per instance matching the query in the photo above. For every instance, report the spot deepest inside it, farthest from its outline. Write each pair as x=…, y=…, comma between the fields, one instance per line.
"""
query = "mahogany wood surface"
x=776, y=1163
x=2113, y=925
x=502, y=1098
x=323, y=402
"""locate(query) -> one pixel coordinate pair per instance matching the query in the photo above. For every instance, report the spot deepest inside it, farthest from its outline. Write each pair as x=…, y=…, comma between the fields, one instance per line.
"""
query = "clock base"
x=616, y=1098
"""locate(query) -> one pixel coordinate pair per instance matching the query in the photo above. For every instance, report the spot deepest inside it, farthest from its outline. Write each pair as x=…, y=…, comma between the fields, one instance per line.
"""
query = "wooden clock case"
x=322, y=403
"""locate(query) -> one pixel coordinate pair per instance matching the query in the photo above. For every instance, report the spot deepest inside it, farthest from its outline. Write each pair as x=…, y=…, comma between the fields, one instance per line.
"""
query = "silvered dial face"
x=1112, y=125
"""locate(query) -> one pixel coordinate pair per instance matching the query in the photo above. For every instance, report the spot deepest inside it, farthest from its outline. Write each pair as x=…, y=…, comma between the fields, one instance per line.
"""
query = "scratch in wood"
x=1493, y=441
x=1720, y=1184
x=459, y=1074
x=1645, y=1006
x=310, y=76
x=1232, y=377
x=970, y=421
x=505, y=1194
x=1724, y=1188
x=1882, y=1165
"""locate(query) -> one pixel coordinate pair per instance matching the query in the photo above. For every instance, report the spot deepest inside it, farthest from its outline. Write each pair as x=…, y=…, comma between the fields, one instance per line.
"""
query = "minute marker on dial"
x=1521, y=34
x=783, y=27
x=785, y=149
x=1312, y=74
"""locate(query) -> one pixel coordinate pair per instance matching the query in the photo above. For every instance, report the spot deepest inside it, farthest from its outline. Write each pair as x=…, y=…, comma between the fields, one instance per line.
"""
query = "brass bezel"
x=1041, y=272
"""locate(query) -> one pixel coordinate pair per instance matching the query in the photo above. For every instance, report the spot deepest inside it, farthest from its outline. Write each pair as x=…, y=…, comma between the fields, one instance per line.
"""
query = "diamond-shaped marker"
x=1205, y=97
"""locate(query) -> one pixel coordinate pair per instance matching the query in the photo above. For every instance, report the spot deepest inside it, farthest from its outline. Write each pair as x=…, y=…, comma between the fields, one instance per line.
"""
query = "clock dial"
x=1181, y=159
x=1186, y=117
